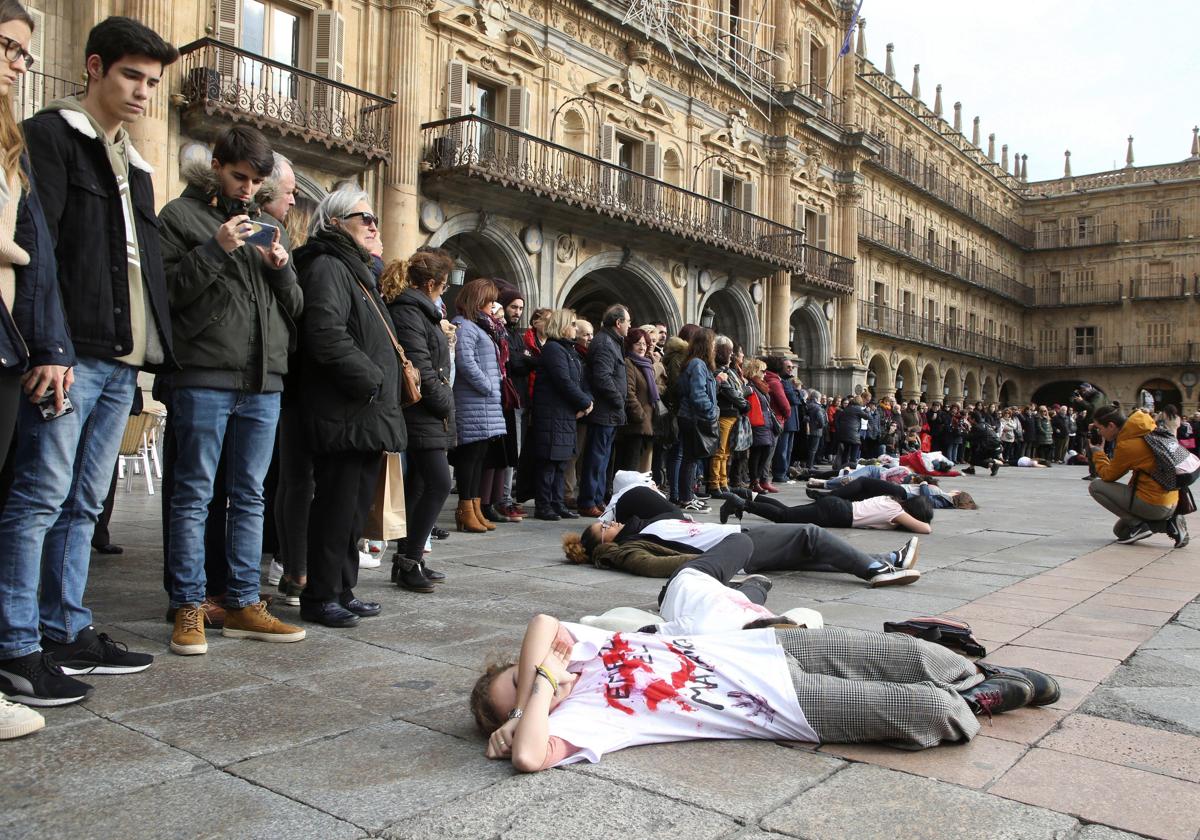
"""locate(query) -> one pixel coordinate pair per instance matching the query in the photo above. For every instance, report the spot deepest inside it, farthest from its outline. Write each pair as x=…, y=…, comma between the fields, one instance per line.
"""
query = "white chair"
x=135, y=450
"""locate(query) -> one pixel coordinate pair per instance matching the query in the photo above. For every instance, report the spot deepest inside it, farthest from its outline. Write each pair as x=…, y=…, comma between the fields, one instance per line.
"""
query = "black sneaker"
x=1140, y=532
x=36, y=680
x=761, y=581
x=995, y=467
x=440, y=534
x=96, y=653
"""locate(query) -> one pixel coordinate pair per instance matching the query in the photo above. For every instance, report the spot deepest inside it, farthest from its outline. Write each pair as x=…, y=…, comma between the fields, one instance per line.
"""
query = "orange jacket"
x=1133, y=453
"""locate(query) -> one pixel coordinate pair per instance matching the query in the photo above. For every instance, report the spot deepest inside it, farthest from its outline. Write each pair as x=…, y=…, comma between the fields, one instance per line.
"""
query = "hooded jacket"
x=85, y=218
x=1132, y=453
x=674, y=355
x=418, y=323
x=233, y=317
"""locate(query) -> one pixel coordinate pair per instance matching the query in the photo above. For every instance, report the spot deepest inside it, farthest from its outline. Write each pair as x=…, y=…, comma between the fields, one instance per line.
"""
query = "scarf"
x=498, y=332
x=647, y=368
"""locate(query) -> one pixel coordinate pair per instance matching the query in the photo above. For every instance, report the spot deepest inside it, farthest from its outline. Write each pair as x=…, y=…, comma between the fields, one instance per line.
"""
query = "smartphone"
x=261, y=234
x=46, y=406
x=1094, y=437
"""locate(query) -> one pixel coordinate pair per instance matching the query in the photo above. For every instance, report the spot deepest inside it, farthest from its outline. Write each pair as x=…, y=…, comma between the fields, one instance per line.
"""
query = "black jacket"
x=849, y=424
x=35, y=332
x=350, y=378
x=520, y=365
x=559, y=392
x=731, y=394
x=430, y=422
x=818, y=420
x=86, y=221
x=1061, y=426
x=606, y=378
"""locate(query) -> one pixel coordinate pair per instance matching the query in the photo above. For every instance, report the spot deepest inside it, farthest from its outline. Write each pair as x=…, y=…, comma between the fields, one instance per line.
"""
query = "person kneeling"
x=1144, y=505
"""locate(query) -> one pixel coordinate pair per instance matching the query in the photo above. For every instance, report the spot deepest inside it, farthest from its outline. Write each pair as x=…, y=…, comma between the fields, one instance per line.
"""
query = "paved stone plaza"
x=366, y=733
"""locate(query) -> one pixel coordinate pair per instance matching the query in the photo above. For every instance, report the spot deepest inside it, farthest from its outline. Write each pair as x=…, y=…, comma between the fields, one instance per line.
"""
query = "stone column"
x=848, y=200
x=779, y=286
x=784, y=45
x=401, y=189
x=150, y=134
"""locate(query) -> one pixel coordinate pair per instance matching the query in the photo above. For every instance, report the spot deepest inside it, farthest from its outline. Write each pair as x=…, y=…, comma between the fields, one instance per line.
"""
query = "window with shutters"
x=1047, y=341
x=32, y=87
x=1158, y=334
x=1085, y=341
x=1085, y=228
x=952, y=317
x=908, y=233
x=275, y=31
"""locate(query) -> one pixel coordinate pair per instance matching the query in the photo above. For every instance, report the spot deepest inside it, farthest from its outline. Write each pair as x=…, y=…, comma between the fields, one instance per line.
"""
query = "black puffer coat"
x=606, y=378
x=559, y=393
x=849, y=423
x=350, y=377
x=418, y=325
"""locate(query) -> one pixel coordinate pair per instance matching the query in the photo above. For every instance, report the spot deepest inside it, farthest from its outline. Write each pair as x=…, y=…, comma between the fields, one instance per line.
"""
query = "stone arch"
x=1009, y=393
x=810, y=338
x=951, y=387
x=486, y=248
x=906, y=379
x=1163, y=391
x=879, y=376
x=971, y=386
x=618, y=277
x=672, y=171
x=989, y=390
x=931, y=384
x=575, y=132
x=733, y=313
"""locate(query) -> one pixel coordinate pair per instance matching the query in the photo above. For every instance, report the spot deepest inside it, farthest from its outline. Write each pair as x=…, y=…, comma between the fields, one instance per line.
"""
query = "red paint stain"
x=619, y=659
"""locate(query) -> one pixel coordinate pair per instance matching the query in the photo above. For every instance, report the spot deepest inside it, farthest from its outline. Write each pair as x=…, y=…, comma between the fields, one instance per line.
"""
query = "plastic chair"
x=135, y=449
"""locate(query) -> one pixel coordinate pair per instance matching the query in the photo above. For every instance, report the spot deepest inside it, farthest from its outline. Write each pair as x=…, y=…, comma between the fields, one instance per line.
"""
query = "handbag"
x=703, y=438
x=745, y=434
x=410, y=377
x=388, y=517
x=939, y=630
x=509, y=399
x=1186, y=504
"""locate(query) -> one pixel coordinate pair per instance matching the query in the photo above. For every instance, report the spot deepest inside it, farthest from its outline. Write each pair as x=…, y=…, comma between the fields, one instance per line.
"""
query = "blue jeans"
x=594, y=480
x=865, y=471
x=205, y=420
x=62, y=471
x=783, y=455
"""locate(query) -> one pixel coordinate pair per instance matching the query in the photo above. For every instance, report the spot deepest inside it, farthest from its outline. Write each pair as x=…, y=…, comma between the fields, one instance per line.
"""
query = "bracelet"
x=515, y=714
x=542, y=672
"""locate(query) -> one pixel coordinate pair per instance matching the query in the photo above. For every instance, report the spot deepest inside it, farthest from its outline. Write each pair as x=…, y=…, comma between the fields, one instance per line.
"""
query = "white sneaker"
x=274, y=573
x=894, y=577
x=367, y=560
x=17, y=720
x=376, y=546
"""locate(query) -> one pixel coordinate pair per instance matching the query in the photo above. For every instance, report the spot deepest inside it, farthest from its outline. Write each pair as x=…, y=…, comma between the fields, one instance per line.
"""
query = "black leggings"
x=468, y=468
x=759, y=455
x=426, y=487
x=868, y=488
x=828, y=512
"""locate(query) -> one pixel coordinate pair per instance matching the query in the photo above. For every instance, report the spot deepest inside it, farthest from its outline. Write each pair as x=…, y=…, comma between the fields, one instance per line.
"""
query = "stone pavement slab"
x=975, y=764
x=1130, y=746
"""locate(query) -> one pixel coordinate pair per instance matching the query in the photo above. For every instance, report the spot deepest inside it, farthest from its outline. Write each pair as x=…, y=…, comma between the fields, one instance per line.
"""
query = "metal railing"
x=906, y=326
x=832, y=105
x=1158, y=229
x=1129, y=355
x=222, y=79
x=36, y=90
x=908, y=167
x=1076, y=294
x=1076, y=236
x=905, y=241
x=481, y=148
x=1158, y=287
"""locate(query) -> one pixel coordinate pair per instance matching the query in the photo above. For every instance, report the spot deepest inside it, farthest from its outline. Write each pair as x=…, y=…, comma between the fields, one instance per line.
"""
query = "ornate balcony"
x=1064, y=294
x=905, y=242
x=1076, y=236
x=816, y=101
x=893, y=323
x=486, y=164
x=1129, y=355
x=909, y=168
x=1146, y=288
x=319, y=121
x=1156, y=229
x=36, y=90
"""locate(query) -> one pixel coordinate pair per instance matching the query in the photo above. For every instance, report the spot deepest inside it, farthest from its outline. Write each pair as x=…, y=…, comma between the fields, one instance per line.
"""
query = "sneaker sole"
x=17, y=730
x=260, y=636
x=77, y=670
x=901, y=577
x=46, y=702
x=290, y=600
x=189, y=650
x=1136, y=538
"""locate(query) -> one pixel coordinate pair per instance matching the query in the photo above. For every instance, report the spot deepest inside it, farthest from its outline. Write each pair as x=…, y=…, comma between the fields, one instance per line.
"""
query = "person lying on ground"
x=880, y=512
x=577, y=692
x=644, y=516
x=861, y=489
x=894, y=473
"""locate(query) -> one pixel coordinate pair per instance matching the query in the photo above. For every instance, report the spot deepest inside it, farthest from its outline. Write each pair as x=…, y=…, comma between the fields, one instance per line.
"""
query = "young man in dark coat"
x=849, y=433
x=98, y=202
x=608, y=385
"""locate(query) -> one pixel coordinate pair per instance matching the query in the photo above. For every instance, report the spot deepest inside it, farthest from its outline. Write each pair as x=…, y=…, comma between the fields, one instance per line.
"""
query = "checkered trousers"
x=855, y=685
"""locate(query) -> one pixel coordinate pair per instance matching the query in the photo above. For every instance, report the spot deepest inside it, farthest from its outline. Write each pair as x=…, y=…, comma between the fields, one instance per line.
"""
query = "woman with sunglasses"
x=350, y=390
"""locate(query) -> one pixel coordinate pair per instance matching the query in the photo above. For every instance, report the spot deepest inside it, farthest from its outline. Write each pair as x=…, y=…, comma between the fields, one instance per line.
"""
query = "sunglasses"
x=13, y=51
x=368, y=219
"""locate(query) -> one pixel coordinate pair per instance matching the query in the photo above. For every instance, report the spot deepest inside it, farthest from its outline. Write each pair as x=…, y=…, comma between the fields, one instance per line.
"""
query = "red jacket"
x=780, y=405
x=535, y=352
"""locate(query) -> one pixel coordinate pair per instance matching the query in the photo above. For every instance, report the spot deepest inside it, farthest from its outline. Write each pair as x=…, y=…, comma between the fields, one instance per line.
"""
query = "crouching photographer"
x=1142, y=506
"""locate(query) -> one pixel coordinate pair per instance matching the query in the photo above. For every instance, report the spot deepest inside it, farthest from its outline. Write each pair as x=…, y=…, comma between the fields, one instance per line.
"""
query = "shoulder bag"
x=410, y=379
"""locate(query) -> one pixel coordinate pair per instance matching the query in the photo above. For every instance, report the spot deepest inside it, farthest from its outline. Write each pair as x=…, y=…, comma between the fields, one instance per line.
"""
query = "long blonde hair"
x=12, y=141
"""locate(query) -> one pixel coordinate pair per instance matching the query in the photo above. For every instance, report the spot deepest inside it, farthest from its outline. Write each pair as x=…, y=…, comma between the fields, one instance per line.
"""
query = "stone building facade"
x=757, y=183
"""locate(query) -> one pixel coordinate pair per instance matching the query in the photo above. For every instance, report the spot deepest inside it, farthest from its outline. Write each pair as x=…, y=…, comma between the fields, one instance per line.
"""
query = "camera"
x=1094, y=436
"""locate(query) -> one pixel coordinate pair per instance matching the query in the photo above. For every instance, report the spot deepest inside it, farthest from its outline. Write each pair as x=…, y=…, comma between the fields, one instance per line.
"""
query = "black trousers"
x=723, y=561
x=426, y=487
x=101, y=536
x=468, y=468
x=345, y=487
x=828, y=512
x=868, y=488
x=548, y=491
x=293, y=493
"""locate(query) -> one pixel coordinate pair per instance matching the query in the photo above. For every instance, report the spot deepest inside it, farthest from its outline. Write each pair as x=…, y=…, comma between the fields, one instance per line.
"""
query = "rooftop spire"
x=958, y=118
x=1025, y=168
x=1196, y=143
x=916, y=88
x=975, y=133
x=1129, y=152
x=1067, y=163
x=861, y=48
x=937, y=99
x=890, y=67
x=992, y=146
x=1003, y=157
x=1017, y=165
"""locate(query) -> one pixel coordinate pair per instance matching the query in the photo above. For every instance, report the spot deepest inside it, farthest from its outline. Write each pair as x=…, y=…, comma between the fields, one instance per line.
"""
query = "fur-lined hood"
x=201, y=175
x=75, y=116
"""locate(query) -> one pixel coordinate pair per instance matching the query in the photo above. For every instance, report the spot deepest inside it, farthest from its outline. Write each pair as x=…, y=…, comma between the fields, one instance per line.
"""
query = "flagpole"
x=845, y=43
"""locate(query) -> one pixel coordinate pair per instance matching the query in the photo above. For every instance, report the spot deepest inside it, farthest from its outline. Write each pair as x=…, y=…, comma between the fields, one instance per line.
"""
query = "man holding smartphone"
x=98, y=201
x=234, y=300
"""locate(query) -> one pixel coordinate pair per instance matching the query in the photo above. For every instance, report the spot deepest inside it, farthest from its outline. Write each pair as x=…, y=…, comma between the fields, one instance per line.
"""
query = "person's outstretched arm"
x=911, y=523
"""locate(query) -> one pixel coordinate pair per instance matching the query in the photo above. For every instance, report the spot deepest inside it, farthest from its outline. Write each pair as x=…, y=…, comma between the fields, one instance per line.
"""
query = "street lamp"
x=717, y=156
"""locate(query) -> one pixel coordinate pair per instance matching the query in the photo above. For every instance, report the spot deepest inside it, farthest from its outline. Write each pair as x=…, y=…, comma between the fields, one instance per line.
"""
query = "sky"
x=1051, y=75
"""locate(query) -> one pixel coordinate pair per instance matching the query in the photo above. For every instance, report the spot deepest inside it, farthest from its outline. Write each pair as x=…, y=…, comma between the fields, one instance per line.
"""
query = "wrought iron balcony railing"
x=36, y=90
x=240, y=85
x=895, y=323
x=908, y=167
x=832, y=106
x=1076, y=236
x=1158, y=229
x=482, y=149
x=1078, y=294
x=1158, y=287
x=905, y=241
x=1128, y=355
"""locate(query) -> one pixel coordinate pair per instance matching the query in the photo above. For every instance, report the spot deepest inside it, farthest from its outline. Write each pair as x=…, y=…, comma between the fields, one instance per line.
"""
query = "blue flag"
x=850, y=32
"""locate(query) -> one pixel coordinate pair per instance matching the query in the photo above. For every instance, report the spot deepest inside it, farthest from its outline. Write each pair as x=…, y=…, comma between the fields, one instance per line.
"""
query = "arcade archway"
x=930, y=387
x=879, y=376
x=906, y=380
x=810, y=339
x=1164, y=392
x=951, y=387
x=615, y=277
x=730, y=311
x=490, y=250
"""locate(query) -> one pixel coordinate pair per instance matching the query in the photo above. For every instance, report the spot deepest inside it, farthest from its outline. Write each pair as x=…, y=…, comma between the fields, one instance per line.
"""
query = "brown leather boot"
x=479, y=517
x=464, y=518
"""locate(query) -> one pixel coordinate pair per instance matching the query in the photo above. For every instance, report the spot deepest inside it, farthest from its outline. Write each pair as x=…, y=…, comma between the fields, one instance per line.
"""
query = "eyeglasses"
x=13, y=51
x=368, y=219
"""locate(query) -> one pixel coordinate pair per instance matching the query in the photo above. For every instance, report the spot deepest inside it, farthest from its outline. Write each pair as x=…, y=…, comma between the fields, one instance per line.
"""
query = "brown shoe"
x=214, y=614
x=188, y=637
x=480, y=519
x=464, y=518
x=254, y=622
x=593, y=511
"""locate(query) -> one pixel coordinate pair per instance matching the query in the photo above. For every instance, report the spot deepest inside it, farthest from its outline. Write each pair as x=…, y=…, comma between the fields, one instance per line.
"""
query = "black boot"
x=564, y=512
x=411, y=576
x=999, y=693
x=432, y=575
x=1045, y=687
x=733, y=505
x=490, y=513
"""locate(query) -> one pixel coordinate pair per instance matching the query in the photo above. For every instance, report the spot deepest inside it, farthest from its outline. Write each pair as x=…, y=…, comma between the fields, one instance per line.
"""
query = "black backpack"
x=943, y=631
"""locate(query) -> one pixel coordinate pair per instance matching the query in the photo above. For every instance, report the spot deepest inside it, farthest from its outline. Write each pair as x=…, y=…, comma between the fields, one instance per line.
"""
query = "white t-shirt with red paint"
x=640, y=688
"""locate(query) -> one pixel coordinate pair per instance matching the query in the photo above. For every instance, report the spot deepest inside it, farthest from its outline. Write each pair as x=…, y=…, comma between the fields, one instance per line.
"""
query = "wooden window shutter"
x=608, y=154
x=652, y=168
x=33, y=95
x=750, y=196
x=608, y=144
x=228, y=31
x=716, y=183
x=823, y=231
x=805, y=57
x=516, y=117
x=328, y=55
x=456, y=89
